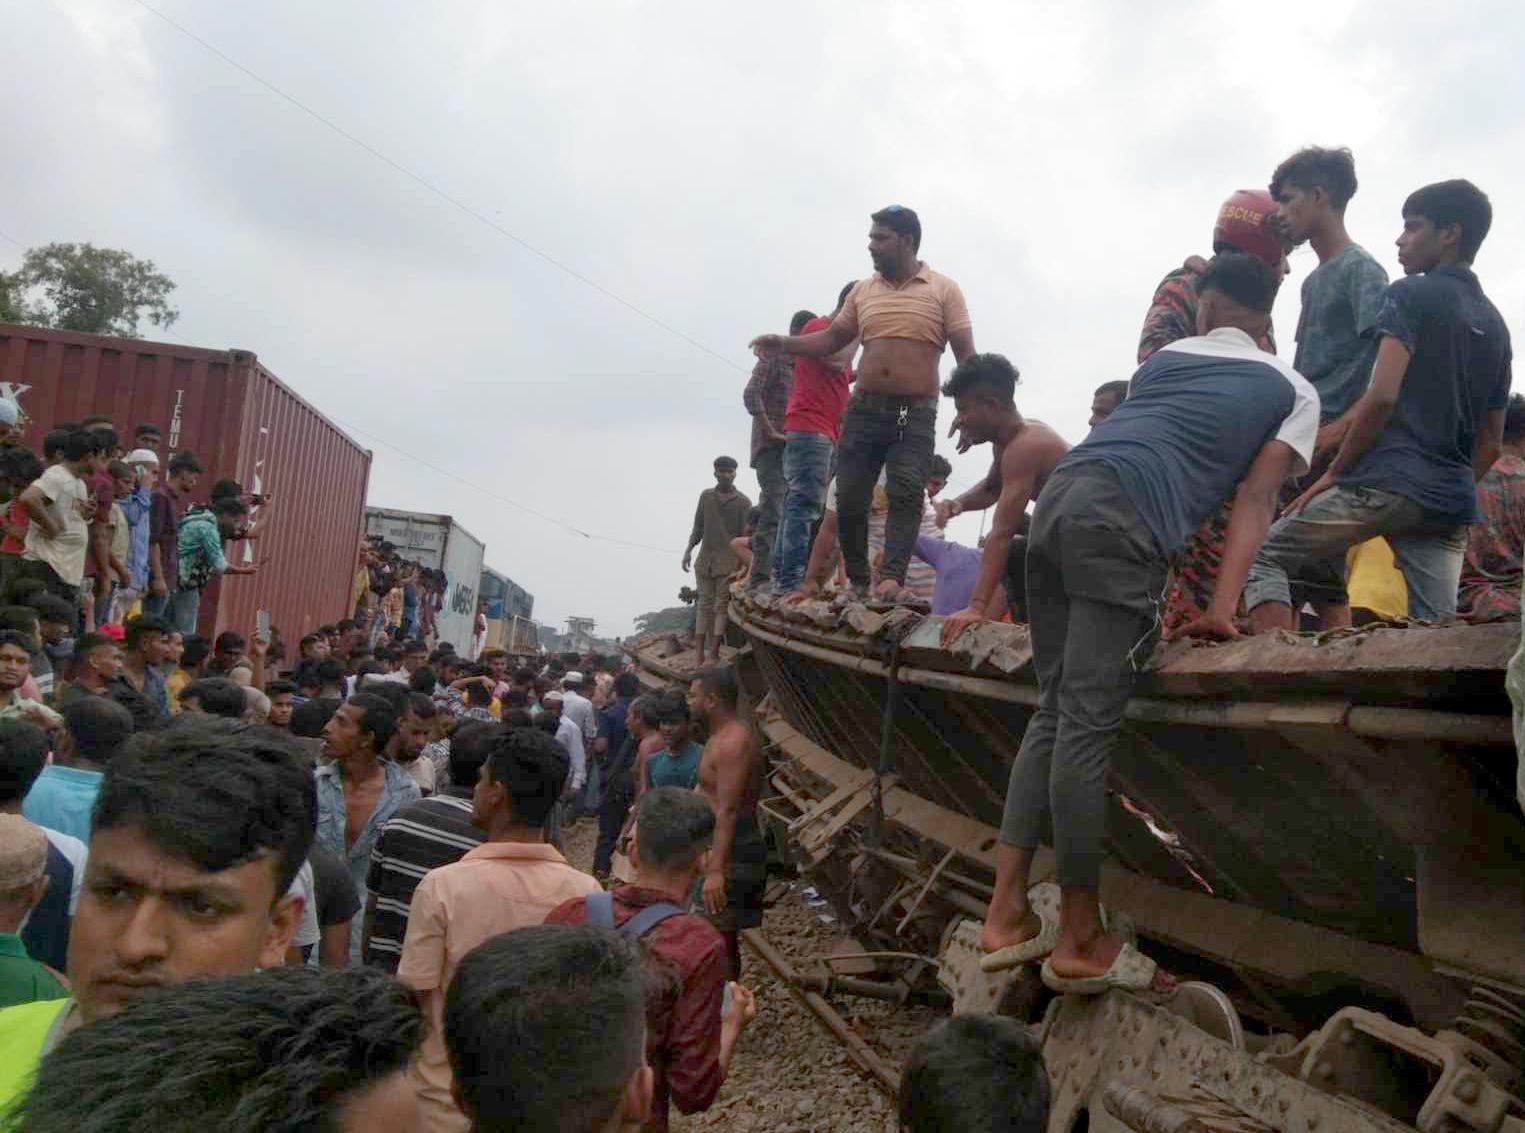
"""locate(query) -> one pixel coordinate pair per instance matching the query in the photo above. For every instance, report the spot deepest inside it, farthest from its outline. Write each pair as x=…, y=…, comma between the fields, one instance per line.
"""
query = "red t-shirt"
x=15, y=516
x=688, y=964
x=819, y=395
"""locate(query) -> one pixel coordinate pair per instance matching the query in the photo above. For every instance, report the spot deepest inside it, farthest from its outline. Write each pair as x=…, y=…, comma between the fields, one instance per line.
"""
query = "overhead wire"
x=449, y=198
x=468, y=210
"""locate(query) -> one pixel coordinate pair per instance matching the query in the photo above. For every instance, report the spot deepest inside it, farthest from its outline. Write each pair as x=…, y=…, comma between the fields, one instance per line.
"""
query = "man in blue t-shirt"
x=1429, y=425
x=1205, y=418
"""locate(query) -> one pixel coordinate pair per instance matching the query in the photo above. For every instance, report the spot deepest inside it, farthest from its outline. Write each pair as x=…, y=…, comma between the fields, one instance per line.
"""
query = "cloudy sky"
x=713, y=166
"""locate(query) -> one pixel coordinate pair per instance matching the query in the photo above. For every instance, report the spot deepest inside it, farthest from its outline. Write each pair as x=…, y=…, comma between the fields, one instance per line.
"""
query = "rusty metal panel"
x=308, y=536
x=243, y=422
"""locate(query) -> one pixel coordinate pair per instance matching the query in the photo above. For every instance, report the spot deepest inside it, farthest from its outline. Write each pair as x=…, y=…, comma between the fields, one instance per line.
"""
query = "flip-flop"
x=1131, y=971
x=1043, y=900
x=1024, y=951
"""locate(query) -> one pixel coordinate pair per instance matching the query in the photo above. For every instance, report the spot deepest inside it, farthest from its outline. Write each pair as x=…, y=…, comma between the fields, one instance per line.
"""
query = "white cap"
x=572, y=678
x=10, y=412
x=142, y=456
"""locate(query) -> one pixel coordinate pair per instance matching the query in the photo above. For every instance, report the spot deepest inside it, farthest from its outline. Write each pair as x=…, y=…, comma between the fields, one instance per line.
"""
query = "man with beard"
x=200, y=831
x=730, y=777
x=906, y=314
x=983, y=389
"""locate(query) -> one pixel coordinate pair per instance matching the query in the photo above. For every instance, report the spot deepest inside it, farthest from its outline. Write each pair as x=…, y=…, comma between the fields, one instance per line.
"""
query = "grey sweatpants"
x=1095, y=580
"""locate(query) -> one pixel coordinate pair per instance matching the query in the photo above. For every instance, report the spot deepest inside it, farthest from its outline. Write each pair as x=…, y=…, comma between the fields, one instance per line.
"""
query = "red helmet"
x=1247, y=222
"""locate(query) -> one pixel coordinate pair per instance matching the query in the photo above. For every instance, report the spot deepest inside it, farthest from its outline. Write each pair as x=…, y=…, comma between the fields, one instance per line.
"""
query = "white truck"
x=438, y=542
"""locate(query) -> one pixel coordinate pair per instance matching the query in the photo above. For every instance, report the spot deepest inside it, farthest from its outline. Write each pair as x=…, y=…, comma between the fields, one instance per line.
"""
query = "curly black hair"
x=268, y=1052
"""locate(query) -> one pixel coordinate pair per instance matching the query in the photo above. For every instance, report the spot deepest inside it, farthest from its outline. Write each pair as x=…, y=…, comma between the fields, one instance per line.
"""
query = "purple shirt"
x=958, y=569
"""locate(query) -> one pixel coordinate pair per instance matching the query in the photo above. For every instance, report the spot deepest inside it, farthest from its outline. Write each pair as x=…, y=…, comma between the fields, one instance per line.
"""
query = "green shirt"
x=23, y=979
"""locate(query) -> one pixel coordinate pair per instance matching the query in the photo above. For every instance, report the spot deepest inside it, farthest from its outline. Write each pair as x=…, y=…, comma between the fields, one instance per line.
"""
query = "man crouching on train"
x=1202, y=415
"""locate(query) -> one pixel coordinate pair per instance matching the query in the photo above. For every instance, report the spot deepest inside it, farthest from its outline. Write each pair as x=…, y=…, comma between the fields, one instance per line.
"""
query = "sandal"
x=1043, y=900
x=1131, y=971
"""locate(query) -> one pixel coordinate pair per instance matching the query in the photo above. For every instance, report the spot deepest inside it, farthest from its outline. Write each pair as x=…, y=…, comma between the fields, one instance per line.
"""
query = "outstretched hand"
x=766, y=344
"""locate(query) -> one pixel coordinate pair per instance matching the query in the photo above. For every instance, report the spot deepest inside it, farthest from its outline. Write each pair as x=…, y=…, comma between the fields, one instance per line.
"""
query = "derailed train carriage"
x=1319, y=836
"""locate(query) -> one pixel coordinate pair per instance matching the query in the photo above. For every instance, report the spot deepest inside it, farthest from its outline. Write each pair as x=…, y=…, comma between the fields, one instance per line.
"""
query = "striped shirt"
x=420, y=837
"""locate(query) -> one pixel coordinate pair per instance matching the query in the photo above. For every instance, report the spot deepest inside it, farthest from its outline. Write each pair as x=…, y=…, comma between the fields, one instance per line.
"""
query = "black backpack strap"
x=601, y=909
x=647, y=919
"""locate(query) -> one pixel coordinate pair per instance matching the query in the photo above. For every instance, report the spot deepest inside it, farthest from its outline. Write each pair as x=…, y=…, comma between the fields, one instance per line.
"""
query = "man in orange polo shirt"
x=906, y=313
x=512, y=880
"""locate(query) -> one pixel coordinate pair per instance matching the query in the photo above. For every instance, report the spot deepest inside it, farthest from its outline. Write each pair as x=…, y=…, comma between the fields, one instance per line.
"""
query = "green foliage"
x=85, y=288
x=661, y=621
x=10, y=300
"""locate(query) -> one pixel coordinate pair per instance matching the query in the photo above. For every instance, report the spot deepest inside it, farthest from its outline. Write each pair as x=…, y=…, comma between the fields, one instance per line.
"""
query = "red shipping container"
x=244, y=423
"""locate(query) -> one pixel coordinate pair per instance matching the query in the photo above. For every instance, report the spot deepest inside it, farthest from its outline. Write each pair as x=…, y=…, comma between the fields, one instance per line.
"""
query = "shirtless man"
x=730, y=776
x=906, y=313
x=983, y=389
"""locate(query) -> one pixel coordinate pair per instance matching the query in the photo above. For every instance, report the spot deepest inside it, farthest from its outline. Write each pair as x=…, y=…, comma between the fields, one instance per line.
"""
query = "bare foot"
x=997, y=935
x=1072, y=959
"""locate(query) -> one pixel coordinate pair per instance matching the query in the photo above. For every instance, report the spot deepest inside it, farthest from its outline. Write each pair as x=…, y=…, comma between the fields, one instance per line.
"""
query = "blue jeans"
x=183, y=607
x=807, y=468
x=1428, y=554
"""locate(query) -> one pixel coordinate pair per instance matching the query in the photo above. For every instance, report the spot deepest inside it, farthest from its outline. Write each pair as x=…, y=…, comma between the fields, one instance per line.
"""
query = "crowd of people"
x=370, y=817
x=1220, y=491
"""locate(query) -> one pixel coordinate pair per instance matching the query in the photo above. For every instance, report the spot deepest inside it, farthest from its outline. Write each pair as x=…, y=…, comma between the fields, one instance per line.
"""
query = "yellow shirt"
x=24, y=1032
x=928, y=307
x=1374, y=581
x=176, y=681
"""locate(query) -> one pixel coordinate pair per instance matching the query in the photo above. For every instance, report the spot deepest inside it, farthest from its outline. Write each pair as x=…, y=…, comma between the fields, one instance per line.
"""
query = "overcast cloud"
x=714, y=165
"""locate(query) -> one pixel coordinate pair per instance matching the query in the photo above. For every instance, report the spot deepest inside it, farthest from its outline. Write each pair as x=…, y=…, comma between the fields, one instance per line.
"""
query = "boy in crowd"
x=1203, y=415
x=59, y=509
x=975, y=1072
x=546, y=1028
x=688, y=1043
x=64, y=795
x=1428, y=427
x=1336, y=331
x=283, y=696
x=15, y=668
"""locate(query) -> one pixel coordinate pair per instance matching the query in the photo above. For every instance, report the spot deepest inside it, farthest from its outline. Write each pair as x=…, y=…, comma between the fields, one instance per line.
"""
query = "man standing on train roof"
x=905, y=314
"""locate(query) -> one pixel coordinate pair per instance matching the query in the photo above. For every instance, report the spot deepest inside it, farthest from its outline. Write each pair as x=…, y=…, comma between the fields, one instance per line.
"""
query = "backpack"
x=601, y=914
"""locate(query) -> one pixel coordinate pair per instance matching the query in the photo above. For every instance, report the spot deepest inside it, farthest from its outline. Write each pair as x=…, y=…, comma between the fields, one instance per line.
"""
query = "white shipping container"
x=439, y=543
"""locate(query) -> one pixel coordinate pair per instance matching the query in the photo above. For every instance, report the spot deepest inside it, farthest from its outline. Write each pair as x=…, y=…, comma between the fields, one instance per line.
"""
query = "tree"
x=660, y=621
x=85, y=288
x=10, y=300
